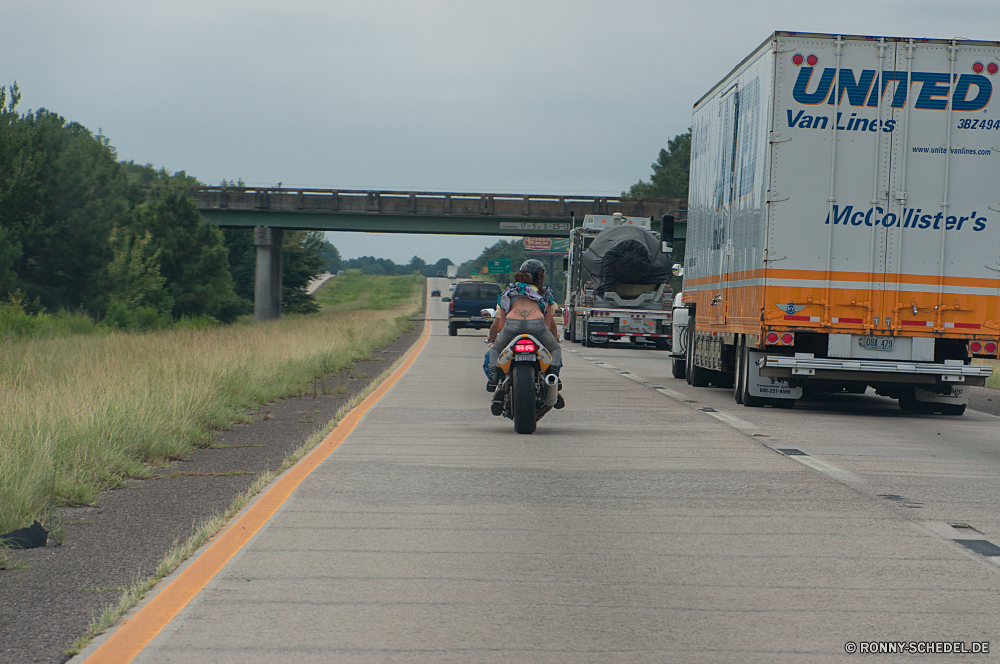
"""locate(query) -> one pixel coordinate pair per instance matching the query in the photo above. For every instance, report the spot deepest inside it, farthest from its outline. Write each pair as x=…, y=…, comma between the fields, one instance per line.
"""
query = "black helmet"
x=533, y=267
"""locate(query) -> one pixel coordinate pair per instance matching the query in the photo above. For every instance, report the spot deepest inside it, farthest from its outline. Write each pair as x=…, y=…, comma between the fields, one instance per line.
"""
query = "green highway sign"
x=474, y=272
x=501, y=266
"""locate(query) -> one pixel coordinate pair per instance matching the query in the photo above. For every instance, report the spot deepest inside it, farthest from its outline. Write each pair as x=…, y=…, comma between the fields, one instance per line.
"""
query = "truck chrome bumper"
x=802, y=364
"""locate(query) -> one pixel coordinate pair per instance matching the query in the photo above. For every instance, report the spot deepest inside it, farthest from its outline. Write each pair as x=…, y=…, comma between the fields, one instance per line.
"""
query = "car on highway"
x=436, y=292
x=451, y=286
x=466, y=305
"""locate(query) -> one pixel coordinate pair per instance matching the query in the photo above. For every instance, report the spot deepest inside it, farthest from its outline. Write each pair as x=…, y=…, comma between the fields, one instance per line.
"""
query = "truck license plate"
x=878, y=343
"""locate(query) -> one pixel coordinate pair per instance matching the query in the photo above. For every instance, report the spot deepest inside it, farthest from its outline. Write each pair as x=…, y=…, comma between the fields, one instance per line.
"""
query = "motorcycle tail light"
x=990, y=347
x=975, y=347
x=525, y=347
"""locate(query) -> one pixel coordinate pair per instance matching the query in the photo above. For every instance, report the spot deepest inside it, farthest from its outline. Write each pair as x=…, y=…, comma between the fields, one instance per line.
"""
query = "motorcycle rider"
x=526, y=307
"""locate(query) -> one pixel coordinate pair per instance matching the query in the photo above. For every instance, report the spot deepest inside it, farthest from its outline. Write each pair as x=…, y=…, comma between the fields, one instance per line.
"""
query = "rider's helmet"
x=533, y=267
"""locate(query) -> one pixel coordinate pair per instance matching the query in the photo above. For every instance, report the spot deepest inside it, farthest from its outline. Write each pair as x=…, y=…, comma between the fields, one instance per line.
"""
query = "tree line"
x=81, y=231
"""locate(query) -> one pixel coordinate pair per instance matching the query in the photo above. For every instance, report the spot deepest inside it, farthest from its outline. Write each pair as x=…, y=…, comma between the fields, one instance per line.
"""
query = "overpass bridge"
x=269, y=211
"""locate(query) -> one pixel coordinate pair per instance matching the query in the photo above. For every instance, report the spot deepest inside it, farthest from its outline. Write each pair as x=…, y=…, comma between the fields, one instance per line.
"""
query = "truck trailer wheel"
x=677, y=368
x=452, y=330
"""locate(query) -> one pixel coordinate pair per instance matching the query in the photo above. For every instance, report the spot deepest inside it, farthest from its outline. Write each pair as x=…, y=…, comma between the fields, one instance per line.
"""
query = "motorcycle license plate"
x=524, y=358
x=878, y=343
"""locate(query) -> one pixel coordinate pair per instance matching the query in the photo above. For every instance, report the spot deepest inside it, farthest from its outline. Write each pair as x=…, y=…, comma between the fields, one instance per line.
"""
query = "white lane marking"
x=825, y=468
x=734, y=422
x=668, y=392
x=948, y=531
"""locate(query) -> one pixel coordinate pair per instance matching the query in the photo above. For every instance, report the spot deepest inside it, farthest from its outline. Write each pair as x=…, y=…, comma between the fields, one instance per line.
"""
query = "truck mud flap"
x=767, y=386
x=598, y=333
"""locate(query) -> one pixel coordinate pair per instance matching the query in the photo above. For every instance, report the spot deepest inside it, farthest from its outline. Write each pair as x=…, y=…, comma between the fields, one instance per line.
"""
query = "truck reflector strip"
x=918, y=323
x=964, y=326
x=849, y=321
x=811, y=319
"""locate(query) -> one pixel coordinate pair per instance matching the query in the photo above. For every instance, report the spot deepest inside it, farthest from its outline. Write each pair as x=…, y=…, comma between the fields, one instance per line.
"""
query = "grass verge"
x=180, y=552
x=994, y=380
x=82, y=414
x=353, y=290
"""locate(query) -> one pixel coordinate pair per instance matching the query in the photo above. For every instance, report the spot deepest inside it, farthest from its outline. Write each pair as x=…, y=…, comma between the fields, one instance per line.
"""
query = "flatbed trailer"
x=642, y=317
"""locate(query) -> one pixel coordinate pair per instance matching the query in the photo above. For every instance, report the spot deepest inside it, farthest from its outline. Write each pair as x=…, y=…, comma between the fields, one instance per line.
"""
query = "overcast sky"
x=509, y=97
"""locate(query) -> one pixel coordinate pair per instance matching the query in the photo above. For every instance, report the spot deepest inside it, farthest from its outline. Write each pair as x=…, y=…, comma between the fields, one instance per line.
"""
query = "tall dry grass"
x=80, y=414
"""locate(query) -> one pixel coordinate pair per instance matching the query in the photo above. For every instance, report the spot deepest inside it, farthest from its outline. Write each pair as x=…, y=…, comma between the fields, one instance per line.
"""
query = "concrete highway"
x=648, y=521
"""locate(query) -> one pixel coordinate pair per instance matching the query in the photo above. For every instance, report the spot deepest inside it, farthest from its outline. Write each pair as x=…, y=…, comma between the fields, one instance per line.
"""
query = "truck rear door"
x=942, y=258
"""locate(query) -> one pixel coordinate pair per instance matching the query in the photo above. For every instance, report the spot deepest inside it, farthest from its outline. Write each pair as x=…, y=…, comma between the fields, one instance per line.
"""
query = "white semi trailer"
x=844, y=221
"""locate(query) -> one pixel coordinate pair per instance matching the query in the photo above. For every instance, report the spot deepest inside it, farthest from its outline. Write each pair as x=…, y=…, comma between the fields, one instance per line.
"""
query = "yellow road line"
x=135, y=633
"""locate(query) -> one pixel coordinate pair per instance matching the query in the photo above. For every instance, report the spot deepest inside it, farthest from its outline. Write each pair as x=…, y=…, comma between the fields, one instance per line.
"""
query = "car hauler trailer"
x=844, y=221
x=600, y=306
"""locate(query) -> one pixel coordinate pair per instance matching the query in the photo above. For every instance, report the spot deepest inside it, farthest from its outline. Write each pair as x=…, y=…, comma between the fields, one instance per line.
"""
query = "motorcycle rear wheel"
x=523, y=398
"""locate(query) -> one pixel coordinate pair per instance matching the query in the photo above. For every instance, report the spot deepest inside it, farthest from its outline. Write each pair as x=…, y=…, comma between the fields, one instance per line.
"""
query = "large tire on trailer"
x=677, y=368
x=724, y=379
x=662, y=343
x=523, y=398
x=452, y=330
x=907, y=401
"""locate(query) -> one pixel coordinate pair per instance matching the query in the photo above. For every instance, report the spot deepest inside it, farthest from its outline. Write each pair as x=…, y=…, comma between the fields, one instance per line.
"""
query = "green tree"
x=331, y=256
x=302, y=259
x=670, y=172
x=242, y=260
x=63, y=192
x=193, y=257
x=135, y=274
x=20, y=198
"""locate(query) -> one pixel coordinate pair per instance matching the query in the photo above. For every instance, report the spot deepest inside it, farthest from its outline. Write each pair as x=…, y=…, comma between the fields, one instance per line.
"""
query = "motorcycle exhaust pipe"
x=551, y=389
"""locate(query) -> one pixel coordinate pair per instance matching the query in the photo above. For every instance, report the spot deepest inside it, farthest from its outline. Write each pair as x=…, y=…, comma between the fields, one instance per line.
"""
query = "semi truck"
x=844, y=221
x=617, y=282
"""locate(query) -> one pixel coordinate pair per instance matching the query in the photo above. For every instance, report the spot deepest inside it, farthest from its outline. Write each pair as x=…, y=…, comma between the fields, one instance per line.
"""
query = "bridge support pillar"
x=267, y=278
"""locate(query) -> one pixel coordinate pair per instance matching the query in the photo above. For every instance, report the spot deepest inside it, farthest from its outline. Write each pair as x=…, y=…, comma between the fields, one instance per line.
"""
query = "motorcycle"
x=527, y=387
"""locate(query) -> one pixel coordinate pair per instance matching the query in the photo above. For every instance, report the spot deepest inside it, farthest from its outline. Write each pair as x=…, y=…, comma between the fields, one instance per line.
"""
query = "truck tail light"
x=525, y=346
x=772, y=337
x=975, y=347
x=787, y=338
x=451, y=306
x=991, y=348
